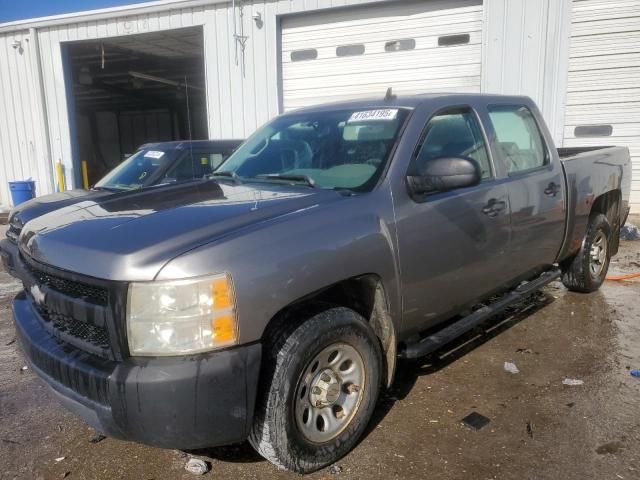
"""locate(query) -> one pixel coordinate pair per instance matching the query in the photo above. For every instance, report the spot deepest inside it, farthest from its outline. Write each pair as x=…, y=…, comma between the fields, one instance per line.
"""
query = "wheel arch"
x=365, y=294
x=609, y=205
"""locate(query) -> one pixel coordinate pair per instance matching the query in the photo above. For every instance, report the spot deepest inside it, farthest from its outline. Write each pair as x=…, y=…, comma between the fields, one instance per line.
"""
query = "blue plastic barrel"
x=22, y=190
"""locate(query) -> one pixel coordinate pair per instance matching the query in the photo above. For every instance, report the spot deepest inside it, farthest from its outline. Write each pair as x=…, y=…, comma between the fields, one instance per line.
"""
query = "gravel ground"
x=539, y=429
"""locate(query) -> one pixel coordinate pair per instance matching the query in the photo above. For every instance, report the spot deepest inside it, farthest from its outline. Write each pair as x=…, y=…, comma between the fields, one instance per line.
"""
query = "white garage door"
x=603, y=104
x=416, y=47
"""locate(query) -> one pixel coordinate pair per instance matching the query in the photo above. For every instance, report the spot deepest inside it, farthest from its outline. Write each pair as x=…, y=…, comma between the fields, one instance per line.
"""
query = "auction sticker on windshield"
x=154, y=154
x=374, y=115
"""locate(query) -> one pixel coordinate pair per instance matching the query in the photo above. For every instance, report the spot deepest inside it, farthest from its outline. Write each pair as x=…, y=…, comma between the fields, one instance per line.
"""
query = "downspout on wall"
x=37, y=65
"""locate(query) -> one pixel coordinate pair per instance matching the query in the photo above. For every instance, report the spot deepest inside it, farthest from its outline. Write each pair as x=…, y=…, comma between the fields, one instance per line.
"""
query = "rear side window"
x=453, y=133
x=519, y=142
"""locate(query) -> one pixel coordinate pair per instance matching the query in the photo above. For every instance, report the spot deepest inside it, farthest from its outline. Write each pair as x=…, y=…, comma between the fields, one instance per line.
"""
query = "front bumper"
x=184, y=402
x=9, y=254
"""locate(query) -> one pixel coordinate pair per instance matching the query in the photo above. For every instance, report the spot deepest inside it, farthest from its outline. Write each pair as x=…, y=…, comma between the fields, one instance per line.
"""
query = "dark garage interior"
x=132, y=90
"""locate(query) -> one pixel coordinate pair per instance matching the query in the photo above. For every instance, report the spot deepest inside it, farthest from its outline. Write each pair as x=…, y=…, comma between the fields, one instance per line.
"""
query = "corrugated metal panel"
x=427, y=67
x=604, y=77
x=239, y=103
x=22, y=153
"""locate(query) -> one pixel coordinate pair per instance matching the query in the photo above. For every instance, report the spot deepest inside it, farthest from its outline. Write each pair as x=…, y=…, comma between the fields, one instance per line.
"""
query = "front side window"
x=453, y=133
x=343, y=149
x=519, y=142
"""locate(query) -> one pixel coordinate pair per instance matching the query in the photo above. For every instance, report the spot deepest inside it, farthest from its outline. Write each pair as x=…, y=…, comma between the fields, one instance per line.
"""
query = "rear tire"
x=588, y=269
x=319, y=386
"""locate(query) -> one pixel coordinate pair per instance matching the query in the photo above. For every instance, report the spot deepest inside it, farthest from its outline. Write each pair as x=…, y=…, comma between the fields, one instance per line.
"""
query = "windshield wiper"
x=292, y=177
x=109, y=189
x=226, y=173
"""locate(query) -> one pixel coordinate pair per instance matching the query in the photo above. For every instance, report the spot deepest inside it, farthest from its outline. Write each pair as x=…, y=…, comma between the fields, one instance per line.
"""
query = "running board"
x=433, y=342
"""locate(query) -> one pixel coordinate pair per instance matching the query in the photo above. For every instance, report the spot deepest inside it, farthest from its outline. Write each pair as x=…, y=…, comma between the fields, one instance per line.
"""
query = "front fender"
x=284, y=259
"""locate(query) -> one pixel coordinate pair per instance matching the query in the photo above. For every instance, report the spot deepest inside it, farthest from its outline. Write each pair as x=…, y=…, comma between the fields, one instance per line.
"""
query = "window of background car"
x=519, y=141
x=453, y=133
x=195, y=163
x=137, y=170
x=335, y=149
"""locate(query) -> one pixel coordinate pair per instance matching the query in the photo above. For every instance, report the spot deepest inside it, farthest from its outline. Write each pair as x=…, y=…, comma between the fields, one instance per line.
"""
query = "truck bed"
x=590, y=173
x=566, y=152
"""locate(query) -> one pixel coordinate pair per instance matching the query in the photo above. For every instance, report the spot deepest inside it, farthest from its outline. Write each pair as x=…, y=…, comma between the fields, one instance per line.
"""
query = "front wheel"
x=588, y=269
x=320, y=385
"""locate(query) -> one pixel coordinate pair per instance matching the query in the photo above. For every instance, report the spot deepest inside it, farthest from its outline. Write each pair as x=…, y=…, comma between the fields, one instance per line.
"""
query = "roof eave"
x=103, y=13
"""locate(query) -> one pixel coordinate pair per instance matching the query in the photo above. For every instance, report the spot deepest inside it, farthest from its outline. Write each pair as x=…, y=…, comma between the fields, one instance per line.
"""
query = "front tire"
x=588, y=269
x=320, y=384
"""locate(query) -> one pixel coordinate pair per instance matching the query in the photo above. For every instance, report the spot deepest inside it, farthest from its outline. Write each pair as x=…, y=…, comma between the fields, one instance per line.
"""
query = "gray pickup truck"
x=271, y=301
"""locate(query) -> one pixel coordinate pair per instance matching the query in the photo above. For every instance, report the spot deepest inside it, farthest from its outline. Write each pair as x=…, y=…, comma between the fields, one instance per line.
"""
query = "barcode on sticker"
x=369, y=115
x=154, y=154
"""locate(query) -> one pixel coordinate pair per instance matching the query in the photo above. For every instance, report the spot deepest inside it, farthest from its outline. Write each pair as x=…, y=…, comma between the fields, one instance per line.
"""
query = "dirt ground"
x=539, y=429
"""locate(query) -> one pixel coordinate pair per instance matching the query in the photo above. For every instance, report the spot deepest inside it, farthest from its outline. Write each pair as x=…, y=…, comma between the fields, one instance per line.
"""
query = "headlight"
x=181, y=317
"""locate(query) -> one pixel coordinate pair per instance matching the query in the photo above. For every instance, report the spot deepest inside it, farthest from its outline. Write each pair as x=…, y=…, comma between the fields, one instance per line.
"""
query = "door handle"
x=494, y=207
x=552, y=189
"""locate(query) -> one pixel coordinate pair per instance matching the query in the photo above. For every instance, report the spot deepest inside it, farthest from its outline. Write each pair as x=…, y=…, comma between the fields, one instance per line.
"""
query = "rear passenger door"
x=452, y=244
x=535, y=184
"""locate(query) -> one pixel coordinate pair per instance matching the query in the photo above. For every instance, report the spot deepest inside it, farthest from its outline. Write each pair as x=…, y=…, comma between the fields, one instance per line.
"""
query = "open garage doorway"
x=131, y=90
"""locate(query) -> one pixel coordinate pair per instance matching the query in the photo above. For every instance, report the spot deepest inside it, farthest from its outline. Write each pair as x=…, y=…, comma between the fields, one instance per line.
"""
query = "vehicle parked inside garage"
x=271, y=301
x=152, y=164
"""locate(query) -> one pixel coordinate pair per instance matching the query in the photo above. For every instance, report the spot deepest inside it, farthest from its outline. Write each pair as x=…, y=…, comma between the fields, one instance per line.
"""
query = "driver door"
x=452, y=245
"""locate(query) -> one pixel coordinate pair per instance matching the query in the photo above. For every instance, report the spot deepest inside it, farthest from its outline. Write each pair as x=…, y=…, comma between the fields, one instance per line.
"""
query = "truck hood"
x=39, y=206
x=130, y=237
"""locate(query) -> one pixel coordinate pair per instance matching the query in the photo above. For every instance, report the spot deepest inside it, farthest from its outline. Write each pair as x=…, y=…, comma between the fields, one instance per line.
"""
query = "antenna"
x=389, y=95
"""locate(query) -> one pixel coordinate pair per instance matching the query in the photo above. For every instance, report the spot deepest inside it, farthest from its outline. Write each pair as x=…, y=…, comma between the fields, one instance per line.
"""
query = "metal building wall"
x=524, y=51
x=22, y=144
x=604, y=79
x=51, y=38
x=237, y=102
x=527, y=53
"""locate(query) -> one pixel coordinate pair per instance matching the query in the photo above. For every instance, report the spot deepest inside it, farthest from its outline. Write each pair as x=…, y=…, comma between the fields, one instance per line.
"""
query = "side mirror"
x=444, y=174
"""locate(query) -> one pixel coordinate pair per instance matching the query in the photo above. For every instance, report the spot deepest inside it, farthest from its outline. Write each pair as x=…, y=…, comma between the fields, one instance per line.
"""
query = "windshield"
x=346, y=149
x=138, y=170
x=165, y=164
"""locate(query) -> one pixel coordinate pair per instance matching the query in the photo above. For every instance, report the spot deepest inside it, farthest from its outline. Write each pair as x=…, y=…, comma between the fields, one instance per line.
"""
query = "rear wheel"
x=321, y=381
x=588, y=269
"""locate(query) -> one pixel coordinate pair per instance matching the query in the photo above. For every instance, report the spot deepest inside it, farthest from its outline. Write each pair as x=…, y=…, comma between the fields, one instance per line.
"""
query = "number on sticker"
x=154, y=154
x=374, y=115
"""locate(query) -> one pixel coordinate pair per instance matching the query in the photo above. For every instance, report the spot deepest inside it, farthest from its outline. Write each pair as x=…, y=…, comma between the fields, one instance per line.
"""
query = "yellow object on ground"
x=60, y=172
x=85, y=175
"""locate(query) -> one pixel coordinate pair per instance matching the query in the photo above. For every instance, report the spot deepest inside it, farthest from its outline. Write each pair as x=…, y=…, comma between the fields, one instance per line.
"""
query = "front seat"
x=295, y=154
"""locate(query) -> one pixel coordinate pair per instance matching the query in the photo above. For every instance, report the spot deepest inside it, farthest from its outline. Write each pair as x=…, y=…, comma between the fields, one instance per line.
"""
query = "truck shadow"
x=238, y=453
x=408, y=372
